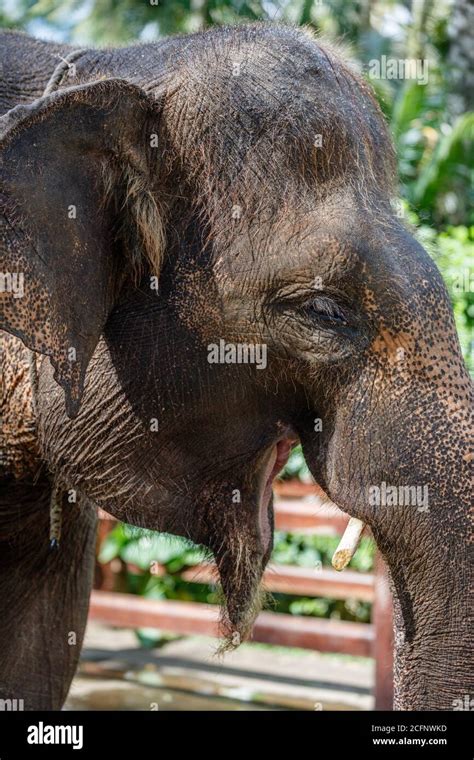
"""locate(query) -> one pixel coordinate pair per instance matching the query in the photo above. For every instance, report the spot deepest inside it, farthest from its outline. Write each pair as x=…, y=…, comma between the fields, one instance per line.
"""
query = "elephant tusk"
x=348, y=544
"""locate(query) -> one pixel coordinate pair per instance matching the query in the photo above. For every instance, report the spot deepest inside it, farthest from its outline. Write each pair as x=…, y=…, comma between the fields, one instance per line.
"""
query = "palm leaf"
x=443, y=164
x=408, y=107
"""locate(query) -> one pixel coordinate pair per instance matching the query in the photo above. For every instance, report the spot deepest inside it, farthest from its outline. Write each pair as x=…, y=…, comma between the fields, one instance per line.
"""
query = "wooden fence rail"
x=191, y=618
x=308, y=515
x=288, y=579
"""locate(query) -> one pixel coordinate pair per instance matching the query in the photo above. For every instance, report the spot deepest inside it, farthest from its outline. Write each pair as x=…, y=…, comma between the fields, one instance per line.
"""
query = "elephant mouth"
x=276, y=459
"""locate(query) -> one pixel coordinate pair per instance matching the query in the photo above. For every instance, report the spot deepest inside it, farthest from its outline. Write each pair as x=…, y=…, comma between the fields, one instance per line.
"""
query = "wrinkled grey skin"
x=257, y=236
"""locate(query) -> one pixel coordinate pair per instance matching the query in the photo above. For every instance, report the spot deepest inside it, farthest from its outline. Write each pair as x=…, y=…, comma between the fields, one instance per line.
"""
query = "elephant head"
x=215, y=271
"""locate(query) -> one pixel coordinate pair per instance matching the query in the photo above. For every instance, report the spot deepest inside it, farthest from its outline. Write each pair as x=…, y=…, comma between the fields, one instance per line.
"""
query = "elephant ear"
x=78, y=214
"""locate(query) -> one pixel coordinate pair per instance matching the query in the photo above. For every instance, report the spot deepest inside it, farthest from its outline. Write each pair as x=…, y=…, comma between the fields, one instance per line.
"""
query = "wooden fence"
x=296, y=515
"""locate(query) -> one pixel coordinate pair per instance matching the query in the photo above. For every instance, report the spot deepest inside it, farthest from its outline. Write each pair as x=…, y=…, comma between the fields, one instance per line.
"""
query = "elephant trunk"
x=408, y=476
x=433, y=632
x=425, y=542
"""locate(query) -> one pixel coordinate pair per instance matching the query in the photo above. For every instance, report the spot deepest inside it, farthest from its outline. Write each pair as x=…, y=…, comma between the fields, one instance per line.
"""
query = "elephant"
x=203, y=266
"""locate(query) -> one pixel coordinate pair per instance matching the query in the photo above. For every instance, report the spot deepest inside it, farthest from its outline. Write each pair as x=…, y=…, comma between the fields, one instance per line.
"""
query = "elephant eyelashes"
x=326, y=311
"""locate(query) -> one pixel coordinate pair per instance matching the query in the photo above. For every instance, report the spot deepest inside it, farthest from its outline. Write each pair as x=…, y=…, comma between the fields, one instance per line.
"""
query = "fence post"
x=382, y=618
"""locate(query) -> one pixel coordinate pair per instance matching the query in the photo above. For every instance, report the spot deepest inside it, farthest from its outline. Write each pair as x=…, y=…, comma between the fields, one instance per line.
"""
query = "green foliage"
x=296, y=467
x=435, y=178
x=445, y=167
x=140, y=549
x=453, y=251
x=305, y=550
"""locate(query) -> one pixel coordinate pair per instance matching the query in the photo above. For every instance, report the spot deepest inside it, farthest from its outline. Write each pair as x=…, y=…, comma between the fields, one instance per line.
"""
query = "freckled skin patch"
x=271, y=240
x=18, y=440
x=392, y=348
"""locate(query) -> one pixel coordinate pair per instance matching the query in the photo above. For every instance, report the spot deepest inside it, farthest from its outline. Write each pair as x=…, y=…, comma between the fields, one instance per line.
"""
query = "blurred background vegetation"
x=433, y=128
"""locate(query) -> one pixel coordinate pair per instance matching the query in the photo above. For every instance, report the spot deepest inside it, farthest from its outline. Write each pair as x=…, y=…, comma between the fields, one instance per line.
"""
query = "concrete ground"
x=184, y=674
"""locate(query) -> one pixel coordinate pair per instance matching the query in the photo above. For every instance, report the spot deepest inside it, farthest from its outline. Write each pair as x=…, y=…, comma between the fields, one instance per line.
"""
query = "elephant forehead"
x=293, y=249
x=246, y=112
x=275, y=265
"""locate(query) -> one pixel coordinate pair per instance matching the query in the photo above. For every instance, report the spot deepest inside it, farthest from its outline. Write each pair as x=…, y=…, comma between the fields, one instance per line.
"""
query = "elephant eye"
x=325, y=310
